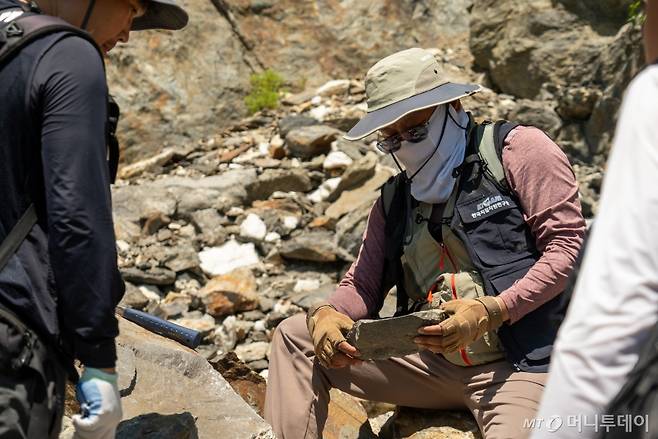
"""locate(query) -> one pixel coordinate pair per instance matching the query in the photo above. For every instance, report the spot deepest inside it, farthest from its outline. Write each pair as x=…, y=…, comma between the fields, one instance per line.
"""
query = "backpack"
x=19, y=29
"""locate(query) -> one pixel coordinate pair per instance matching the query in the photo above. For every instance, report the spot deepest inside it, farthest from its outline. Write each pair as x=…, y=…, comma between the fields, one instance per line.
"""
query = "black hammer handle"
x=185, y=336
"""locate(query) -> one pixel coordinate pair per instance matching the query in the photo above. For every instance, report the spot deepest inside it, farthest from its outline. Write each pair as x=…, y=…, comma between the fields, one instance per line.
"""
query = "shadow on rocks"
x=157, y=426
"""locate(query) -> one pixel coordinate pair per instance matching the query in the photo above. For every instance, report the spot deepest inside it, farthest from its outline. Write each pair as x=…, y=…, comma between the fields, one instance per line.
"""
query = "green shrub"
x=265, y=89
x=636, y=11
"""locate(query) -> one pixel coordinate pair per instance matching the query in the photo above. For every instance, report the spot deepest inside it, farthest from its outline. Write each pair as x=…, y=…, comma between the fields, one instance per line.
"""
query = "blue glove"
x=100, y=405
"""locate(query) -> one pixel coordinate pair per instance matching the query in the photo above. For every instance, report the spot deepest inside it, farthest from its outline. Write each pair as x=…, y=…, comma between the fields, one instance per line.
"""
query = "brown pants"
x=298, y=388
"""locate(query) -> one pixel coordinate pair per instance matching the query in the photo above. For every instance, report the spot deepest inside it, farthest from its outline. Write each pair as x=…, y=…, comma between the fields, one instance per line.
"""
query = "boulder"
x=204, y=323
x=524, y=45
x=181, y=257
x=414, y=423
x=577, y=103
x=137, y=202
x=315, y=246
x=157, y=426
x=350, y=228
x=134, y=297
x=364, y=195
x=153, y=276
x=325, y=190
x=148, y=164
x=273, y=180
x=209, y=224
x=289, y=123
x=230, y=293
x=607, y=16
x=346, y=419
x=357, y=173
x=538, y=114
x=154, y=222
x=308, y=298
x=174, y=304
x=218, y=191
x=252, y=351
x=310, y=141
x=126, y=230
x=247, y=383
x=173, y=390
x=337, y=161
x=334, y=87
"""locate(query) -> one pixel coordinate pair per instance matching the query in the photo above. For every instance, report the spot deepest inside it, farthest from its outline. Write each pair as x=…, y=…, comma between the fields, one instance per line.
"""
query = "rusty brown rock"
x=247, y=383
x=347, y=419
x=230, y=293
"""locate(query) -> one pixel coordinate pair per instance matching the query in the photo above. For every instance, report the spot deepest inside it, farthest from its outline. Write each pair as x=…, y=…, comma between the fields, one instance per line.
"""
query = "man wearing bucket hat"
x=483, y=219
x=59, y=281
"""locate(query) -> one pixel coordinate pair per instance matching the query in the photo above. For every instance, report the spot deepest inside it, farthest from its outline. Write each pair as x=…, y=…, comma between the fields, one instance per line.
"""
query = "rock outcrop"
x=573, y=57
x=171, y=392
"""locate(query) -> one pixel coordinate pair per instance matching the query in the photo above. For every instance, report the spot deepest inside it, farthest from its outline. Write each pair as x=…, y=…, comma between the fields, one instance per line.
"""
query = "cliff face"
x=177, y=86
x=575, y=57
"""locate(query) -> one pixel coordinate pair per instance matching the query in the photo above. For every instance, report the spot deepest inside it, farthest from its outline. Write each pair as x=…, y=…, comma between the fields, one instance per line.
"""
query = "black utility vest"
x=488, y=219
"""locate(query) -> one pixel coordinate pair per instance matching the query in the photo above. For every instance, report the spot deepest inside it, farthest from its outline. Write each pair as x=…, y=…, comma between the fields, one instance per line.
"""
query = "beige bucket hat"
x=402, y=83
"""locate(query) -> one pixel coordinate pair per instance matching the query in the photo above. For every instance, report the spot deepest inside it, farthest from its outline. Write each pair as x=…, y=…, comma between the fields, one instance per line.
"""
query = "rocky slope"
x=570, y=58
x=229, y=224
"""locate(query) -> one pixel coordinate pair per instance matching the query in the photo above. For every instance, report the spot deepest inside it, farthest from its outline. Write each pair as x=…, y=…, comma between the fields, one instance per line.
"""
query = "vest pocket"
x=467, y=285
x=495, y=228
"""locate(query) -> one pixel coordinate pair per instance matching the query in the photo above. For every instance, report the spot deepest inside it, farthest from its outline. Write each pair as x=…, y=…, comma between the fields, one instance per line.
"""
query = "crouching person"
x=486, y=218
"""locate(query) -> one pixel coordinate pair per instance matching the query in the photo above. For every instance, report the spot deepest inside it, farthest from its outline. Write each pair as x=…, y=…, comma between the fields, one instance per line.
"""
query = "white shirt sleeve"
x=615, y=304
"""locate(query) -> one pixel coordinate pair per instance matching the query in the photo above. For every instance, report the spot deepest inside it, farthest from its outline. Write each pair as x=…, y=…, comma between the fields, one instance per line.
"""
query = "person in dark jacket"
x=59, y=289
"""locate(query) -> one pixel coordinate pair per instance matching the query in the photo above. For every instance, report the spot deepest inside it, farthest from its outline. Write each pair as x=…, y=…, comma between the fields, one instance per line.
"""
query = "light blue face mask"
x=430, y=162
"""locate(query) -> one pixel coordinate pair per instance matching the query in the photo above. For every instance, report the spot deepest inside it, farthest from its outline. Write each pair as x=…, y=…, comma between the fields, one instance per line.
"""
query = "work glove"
x=470, y=319
x=327, y=327
x=100, y=405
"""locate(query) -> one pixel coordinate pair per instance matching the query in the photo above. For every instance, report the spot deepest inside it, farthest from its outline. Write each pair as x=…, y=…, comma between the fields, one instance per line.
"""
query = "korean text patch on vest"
x=490, y=223
x=489, y=206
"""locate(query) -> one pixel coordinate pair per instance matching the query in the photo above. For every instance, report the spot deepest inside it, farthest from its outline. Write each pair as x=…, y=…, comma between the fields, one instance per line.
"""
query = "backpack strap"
x=395, y=195
x=113, y=115
x=25, y=27
x=17, y=235
x=491, y=144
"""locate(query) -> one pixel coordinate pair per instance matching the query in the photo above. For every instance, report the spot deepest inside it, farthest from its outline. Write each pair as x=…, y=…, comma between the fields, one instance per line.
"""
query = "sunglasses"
x=393, y=143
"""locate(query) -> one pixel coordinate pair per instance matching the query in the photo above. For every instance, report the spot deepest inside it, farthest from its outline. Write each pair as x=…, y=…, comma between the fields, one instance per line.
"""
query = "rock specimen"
x=391, y=337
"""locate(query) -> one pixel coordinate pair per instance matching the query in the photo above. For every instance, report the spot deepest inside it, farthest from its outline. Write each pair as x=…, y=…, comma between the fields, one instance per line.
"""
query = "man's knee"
x=291, y=328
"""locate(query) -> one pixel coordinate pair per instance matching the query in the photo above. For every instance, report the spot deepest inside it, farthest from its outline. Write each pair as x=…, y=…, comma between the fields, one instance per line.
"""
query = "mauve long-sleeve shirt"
x=540, y=175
